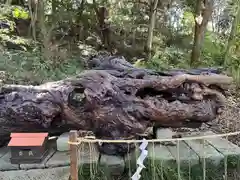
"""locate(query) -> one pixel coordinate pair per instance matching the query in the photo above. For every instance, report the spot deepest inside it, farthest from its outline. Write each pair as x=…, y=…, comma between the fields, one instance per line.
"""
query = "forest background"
x=52, y=39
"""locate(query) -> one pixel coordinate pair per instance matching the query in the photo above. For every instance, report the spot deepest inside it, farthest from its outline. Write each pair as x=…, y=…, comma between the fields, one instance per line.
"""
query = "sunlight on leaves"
x=20, y=14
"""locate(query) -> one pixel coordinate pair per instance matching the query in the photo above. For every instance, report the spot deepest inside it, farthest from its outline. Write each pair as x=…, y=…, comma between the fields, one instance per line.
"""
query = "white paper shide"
x=140, y=160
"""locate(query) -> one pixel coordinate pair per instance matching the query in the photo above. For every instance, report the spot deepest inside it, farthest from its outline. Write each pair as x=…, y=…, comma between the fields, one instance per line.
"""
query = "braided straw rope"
x=85, y=139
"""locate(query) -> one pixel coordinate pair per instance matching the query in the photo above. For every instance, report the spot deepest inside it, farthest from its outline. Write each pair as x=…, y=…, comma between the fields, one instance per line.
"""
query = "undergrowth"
x=31, y=68
x=160, y=172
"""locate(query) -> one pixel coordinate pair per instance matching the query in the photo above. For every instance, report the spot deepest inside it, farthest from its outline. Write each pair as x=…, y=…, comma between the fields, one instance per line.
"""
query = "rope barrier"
x=84, y=139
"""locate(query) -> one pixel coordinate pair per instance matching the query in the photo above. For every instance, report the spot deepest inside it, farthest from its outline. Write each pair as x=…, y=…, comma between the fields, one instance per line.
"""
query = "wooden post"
x=73, y=155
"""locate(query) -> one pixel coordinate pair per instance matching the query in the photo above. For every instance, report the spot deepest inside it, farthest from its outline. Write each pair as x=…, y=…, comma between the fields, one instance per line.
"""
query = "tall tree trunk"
x=231, y=39
x=203, y=13
x=79, y=21
x=8, y=2
x=33, y=10
x=54, y=7
x=45, y=31
x=153, y=12
x=102, y=14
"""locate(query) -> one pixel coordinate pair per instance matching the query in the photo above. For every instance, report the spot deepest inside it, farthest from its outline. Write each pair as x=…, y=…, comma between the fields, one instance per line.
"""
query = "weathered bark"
x=114, y=101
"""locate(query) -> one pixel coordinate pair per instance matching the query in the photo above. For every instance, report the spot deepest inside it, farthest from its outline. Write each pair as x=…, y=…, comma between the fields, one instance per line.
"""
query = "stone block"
x=184, y=154
x=88, y=153
x=165, y=133
x=3, y=151
x=60, y=173
x=131, y=160
x=62, y=142
x=222, y=145
x=180, y=151
x=187, y=161
x=210, y=159
x=205, y=151
x=59, y=159
x=5, y=164
x=158, y=152
x=230, y=151
x=112, y=165
x=159, y=162
x=163, y=157
x=88, y=161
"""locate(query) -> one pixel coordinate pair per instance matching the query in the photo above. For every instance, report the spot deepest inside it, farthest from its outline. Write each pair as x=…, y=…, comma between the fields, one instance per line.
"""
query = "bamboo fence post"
x=73, y=155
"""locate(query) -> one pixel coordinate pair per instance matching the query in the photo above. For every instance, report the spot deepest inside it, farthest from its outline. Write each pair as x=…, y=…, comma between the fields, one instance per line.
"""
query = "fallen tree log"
x=114, y=100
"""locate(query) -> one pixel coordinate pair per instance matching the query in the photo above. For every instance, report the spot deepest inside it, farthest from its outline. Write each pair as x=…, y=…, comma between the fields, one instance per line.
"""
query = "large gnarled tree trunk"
x=114, y=100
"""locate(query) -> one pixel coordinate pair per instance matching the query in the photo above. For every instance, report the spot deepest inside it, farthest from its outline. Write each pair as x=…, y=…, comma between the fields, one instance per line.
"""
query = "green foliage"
x=8, y=15
x=20, y=13
x=12, y=12
x=77, y=30
x=168, y=58
x=14, y=42
x=32, y=68
x=188, y=22
x=191, y=5
x=11, y=25
x=213, y=51
x=90, y=1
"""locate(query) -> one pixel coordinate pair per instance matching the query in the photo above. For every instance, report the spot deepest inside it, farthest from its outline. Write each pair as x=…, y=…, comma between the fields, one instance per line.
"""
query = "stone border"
x=190, y=157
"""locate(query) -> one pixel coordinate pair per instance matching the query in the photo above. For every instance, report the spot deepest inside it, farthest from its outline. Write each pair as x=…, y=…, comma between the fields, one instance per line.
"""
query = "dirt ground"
x=229, y=120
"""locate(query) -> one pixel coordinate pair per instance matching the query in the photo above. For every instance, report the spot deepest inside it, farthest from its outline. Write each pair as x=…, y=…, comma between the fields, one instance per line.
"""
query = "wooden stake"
x=73, y=155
